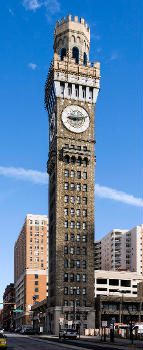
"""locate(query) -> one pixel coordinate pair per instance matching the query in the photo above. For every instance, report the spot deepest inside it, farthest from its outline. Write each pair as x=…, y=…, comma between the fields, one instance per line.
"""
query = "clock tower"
x=71, y=92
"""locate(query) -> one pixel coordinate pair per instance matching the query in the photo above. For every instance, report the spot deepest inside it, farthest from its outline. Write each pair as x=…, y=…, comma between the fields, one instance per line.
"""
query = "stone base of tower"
x=56, y=319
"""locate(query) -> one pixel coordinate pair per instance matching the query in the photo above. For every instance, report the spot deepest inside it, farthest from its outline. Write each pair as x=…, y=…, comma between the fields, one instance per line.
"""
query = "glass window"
x=66, y=145
x=36, y=289
x=75, y=54
x=36, y=283
x=84, y=59
x=78, y=212
x=72, y=303
x=72, y=211
x=78, y=200
x=79, y=161
x=84, y=238
x=84, y=264
x=78, y=263
x=36, y=228
x=84, y=226
x=30, y=221
x=84, y=212
x=72, y=237
x=79, y=174
x=85, y=162
x=78, y=291
x=72, y=186
x=84, y=251
x=71, y=290
x=78, y=225
x=66, y=173
x=78, y=277
x=84, y=277
x=66, y=199
x=84, y=188
x=66, y=224
x=84, y=200
x=78, y=186
x=79, y=148
x=65, y=302
x=84, y=305
x=66, y=263
x=72, y=199
x=66, y=185
x=84, y=291
x=84, y=91
x=72, y=224
x=72, y=250
x=77, y=92
x=30, y=233
x=36, y=276
x=78, y=250
x=66, y=277
x=72, y=146
x=66, y=250
x=72, y=173
x=66, y=211
x=62, y=54
x=78, y=238
x=66, y=290
x=69, y=89
x=72, y=263
x=85, y=175
x=72, y=277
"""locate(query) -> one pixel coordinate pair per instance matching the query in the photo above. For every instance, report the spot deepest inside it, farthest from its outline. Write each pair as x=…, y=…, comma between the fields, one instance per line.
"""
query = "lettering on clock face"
x=75, y=118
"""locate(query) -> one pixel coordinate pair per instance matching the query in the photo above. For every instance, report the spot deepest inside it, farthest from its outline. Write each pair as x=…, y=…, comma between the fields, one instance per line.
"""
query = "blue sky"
x=26, y=41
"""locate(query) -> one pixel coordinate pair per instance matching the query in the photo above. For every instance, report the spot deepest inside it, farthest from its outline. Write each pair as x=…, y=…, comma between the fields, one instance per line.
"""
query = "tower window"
x=66, y=224
x=72, y=173
x=78, y=277
x=83, y=278
x=66, y=173
x=78, y=263
x=72, y=211
x=78, y=238
x=84, y=188
x=66, y=277
x=85, y=59
x=79, y=187
x=76, y=90
x=78, y=212
x=66, y=263
x=84, y=291
x=72, y=237
x=72, y=186
x=71, y=277
x=72, y=250
x=78, y=200
x=72, y=263
x=66, y=185
x=78, y=225
x=62, y=87
x=84, y=238
x=91, y=93
x=75, y=54
x=84, y=212
x=84, y=226
x=69, y=89
x=66, y=290
x=79, y=174
x=63, y=53
x=72, y=224
x=66, y=236
x=66, y=211
x=84, y=92
x=72, y=199
x=85, y=175
x=66, y=199
x=84, y=264
x=84, y=200
x=84, y=251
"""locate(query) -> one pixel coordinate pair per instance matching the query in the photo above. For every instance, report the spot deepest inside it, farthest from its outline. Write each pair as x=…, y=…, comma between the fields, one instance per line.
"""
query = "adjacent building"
x=30, y=266
x=120, y=249
x=8, y=306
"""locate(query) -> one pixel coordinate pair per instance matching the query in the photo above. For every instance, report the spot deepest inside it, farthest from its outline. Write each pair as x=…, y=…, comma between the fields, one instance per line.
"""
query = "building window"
x=72, y=173
x=85, y=175
x=30, y=239
x=30, y=233
x=66, y=236
x=65, y=302
x=78, y=277
x=66, y=290
x=76, y=90
x=84, y=188
x=72, y=186
x=66, y=250
x=78, y=263
x=78, y=237
x=72, y=237
x=78, y=187
x=66, y=263
x=66, y=199
x=85, y=59
x=78, y=200
x=84, y=200
x=84, y=278
x=72, y=277
x=79, y=148
x=66, y=277
x=78, y=212
x=36, y=289
x=71, y=303
x=71, y=291
x=63, y=53
x=72, y=224
x=75, y=54
x=78, y=250
x=66, y=211
x=84, y=264
x=84, y=305
x=79, y=174
x=30, y=258
x=84, y=251
x=36, y=283
x=30, y=221
x=66, y=173
x=72, y=263
x=84, y=291
x=78, y=291
x=79, y=161
x=72, y=211
x=66, y=224
x=69, y=89
x=91, y=93
x=36, y=276
x=84, y=212
x=84, y=92
x=84, y=226
x=78, y=225
x=72, y=199
x=85, y=162
x=31, y=228
x=36, y=228
x=72, y=250
x=66, y=185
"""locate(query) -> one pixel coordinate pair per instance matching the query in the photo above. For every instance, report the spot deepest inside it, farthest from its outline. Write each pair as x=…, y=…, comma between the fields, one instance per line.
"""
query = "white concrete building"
x=120, y=249
x=117, y=283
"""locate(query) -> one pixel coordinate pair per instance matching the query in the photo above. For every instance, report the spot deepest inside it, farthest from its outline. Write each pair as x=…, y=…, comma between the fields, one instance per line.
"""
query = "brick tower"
x=70, y=96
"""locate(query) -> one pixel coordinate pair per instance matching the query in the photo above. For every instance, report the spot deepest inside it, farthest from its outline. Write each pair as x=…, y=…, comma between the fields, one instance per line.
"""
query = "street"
x=18, y=342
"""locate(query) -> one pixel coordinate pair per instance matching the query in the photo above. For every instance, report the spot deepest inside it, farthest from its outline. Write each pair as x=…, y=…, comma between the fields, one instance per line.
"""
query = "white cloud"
x=11, y=12
x=52, y=6
x=23, y=174
x=110, y=193
x=33, y=66
x=39, y=177
x=114, y=56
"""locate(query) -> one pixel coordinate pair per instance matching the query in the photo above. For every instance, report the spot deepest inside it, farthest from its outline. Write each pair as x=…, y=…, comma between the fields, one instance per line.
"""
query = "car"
x=70, y=333
x=3, y=342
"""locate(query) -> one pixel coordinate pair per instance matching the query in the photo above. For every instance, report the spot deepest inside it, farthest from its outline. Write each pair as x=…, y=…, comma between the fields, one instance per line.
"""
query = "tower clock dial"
x=52, y=127
x=75, y=118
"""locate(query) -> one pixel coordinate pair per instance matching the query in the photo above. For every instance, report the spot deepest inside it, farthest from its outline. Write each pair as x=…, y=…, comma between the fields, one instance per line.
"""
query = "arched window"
x=75, y=54
x=85, y=59
x=63, y=53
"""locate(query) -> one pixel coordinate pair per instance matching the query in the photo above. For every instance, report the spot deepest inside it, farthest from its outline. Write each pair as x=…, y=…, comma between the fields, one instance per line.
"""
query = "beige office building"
x=30, y=266
x=120, y=249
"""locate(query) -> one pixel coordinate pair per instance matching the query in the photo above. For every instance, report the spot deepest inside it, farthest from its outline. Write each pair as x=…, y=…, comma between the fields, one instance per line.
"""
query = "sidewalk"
x=120, y=342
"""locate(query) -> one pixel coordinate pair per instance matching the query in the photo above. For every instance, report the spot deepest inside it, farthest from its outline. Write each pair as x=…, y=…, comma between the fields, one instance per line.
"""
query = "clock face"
x=75, y=118
x=52, y=126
